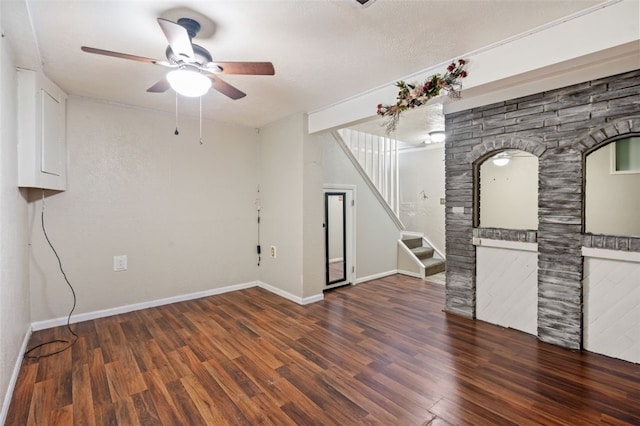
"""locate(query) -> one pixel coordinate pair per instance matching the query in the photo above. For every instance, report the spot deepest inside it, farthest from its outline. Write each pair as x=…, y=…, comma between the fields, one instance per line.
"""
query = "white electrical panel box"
x=42, y=146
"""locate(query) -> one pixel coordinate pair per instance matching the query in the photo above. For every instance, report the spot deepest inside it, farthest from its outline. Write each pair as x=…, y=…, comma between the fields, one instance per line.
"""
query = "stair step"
x=423, y=252
x=412, y=242
x=433, y=266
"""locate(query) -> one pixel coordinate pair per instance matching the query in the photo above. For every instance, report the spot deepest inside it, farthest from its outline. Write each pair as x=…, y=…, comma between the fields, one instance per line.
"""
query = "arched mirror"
x=612, y=189
x=508, y=196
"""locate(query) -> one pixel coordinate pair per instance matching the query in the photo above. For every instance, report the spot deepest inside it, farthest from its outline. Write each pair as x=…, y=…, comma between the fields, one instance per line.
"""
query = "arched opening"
x=506, y=265
x=612, y=188
x=508, y=191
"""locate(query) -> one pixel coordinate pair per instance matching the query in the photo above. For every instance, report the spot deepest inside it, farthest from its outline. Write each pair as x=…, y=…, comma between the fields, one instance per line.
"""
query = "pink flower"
x=463, y=74
x=462, y=61
x=451, y=67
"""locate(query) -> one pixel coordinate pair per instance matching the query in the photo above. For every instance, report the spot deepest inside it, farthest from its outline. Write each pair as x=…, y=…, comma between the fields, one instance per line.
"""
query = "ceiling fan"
x=194, y=70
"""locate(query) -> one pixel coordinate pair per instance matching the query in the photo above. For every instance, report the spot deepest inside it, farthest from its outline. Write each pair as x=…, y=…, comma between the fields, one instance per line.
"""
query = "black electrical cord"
x=69, y=343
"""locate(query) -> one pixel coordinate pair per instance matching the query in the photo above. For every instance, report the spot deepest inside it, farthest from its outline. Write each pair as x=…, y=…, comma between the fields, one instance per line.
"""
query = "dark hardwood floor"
x=381, y=352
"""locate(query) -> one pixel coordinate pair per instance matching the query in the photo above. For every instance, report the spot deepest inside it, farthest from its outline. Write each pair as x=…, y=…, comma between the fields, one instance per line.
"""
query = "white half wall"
x=507, y=287
x=182, y=212
x=612, y=307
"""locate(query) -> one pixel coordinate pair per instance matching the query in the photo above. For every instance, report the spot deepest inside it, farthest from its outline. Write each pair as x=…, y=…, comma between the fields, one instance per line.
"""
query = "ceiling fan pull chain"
x=200, y=120
x=176, y=132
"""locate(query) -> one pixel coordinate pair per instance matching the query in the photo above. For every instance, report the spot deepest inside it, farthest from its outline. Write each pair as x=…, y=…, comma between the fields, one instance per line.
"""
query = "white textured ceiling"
x=323, y=51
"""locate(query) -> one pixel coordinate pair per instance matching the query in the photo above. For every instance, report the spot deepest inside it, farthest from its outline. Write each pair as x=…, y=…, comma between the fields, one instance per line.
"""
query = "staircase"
x=431, y=260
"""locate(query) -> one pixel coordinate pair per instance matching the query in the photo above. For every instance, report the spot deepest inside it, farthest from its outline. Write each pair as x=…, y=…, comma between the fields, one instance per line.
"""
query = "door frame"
x=349, y=231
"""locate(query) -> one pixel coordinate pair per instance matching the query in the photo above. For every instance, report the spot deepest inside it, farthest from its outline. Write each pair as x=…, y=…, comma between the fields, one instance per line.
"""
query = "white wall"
x=313, y=215
x=281, y=184
x=423, y=170
x=292, y=208
x=182, y=212
x=612, y=306
x=14, y=263
x=612, y=202
x=376, y=233
x=509, y=194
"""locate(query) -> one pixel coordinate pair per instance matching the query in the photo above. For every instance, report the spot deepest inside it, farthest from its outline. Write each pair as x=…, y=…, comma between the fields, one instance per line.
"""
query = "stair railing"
x=378, y=157
x=393, y=214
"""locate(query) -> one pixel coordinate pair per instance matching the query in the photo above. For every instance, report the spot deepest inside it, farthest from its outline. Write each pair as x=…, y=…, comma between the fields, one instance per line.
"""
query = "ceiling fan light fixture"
x=437, y=136
x=188, y=82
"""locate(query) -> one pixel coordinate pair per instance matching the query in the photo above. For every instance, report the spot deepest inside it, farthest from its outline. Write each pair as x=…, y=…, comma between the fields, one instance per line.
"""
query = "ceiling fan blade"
x=160, y=87
x=178, y=38
x=226, y=89
x=124, y=56
x=247, y=68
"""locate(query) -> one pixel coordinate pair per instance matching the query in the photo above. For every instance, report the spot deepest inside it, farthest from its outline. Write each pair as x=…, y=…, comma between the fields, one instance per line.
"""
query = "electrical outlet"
x=120, y=263
x=273, y=251
x=442, y=201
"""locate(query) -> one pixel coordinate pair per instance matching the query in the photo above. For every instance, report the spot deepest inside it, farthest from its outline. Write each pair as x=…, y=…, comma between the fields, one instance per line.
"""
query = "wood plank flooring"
x=381, y=352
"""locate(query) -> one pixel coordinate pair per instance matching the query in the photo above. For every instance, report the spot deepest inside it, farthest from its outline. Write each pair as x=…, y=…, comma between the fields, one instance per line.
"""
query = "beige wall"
x=14, y=263
x=509, y=194
x=313, y=215
x=292, y=209
x=612, y=202
x=423, y=170
x=376, y=233
x=182, y=212
x=281, y=184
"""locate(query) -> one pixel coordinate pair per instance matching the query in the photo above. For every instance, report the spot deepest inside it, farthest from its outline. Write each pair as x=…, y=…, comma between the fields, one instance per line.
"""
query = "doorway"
x=338, y=225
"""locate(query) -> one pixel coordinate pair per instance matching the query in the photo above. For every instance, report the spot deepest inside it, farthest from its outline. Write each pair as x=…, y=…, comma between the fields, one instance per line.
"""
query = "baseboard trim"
x=14, y=378
x=376, y=276
x=41, y=325
x=56, y=322
x=410, y=274
x=289, y=296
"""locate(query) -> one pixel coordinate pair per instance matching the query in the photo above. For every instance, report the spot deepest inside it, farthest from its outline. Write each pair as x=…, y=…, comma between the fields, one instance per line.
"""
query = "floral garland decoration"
x=414, y=95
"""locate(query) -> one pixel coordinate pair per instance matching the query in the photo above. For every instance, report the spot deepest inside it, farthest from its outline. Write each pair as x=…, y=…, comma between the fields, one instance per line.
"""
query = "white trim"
x=289, y=296
x=412, y=256
x=511, y=245
x=376, y=276
x=411, y=274
x=627, y=256
x=562, y=67
x=14, y=377
x=336, y=260
x=352, y=215
x=438, y=252
x=411, y=234
x=41, y=325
